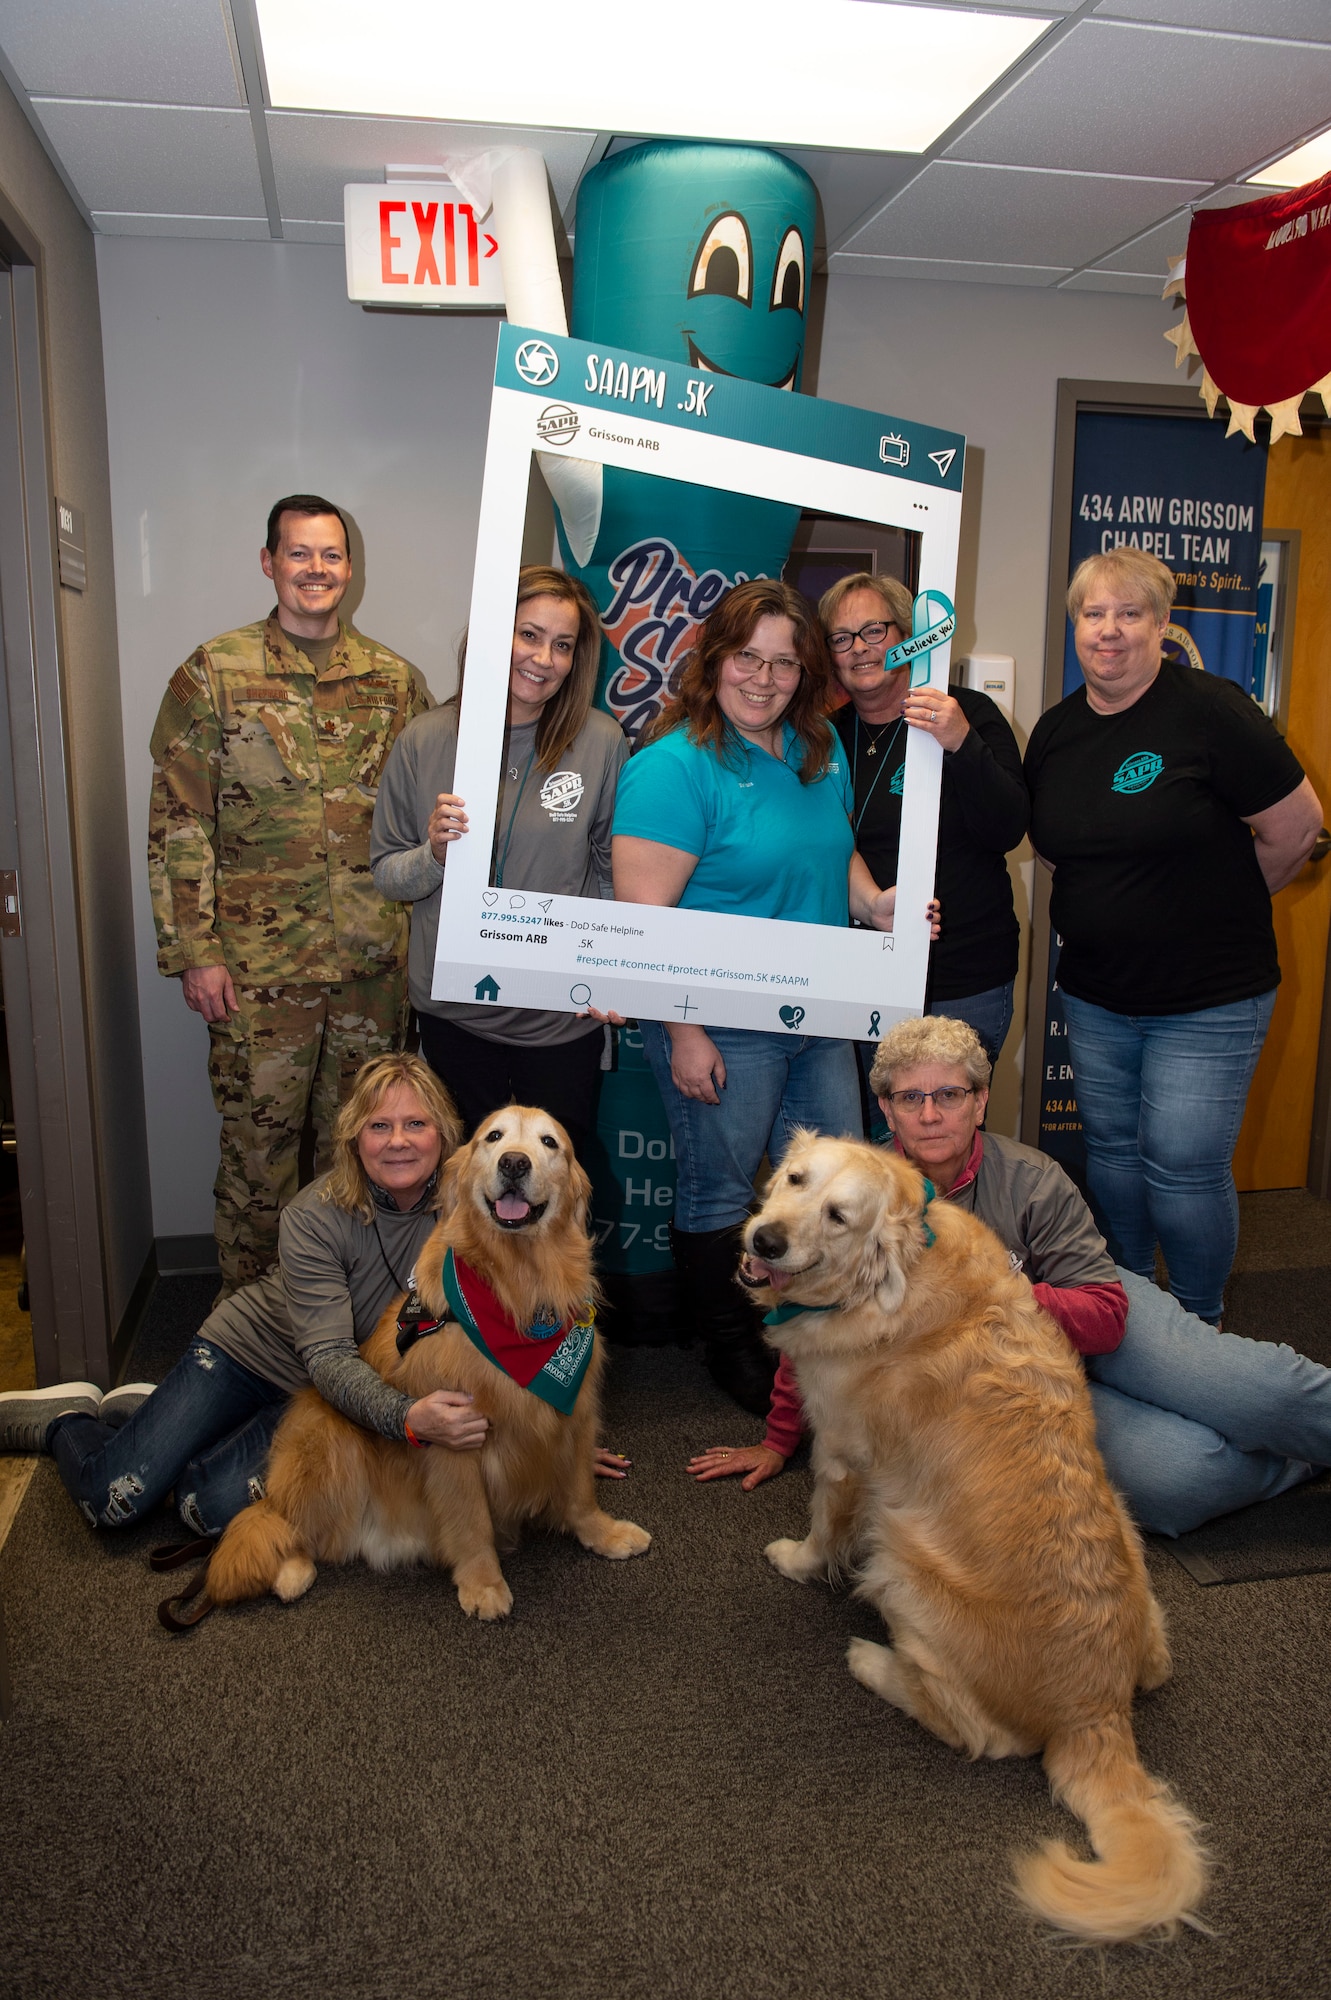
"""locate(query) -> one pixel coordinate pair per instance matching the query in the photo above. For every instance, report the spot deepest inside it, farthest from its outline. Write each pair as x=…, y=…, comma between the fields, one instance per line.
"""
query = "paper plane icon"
x=943, y=460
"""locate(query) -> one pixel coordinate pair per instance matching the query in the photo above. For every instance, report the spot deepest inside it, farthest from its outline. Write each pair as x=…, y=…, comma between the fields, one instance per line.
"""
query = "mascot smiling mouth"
x=697, y=359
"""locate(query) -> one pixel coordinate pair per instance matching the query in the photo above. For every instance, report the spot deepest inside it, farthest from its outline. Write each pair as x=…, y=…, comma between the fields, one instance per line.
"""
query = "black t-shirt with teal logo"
x=1157, y=894
x=983, y=810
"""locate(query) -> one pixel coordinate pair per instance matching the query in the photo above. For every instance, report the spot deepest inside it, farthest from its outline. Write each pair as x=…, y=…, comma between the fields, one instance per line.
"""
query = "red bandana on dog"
x=549, y=1359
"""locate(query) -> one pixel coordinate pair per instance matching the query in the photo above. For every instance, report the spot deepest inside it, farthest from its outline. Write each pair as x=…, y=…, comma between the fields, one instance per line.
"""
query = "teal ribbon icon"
x=914, y=652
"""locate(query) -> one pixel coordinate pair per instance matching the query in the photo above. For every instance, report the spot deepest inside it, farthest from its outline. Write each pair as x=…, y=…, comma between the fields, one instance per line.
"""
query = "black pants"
x=563, y=1078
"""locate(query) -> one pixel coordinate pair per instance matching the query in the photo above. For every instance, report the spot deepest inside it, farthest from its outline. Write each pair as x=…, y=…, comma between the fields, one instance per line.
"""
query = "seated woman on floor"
x=348, y=1244
x=1191, y=1422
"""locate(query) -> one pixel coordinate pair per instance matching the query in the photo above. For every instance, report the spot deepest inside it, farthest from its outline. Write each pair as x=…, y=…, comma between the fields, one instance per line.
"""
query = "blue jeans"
x=1162, y=1099
x=1193, y=1423
x=205, y=1431
x=773, y=1083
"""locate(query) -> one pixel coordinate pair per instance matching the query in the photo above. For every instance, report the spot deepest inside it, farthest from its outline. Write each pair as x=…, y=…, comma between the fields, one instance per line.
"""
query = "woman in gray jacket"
x=562, y=760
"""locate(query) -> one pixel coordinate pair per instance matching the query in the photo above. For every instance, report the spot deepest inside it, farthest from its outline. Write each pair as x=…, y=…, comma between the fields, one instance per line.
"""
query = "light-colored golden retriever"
x=335, y=1491
x=956, y=1473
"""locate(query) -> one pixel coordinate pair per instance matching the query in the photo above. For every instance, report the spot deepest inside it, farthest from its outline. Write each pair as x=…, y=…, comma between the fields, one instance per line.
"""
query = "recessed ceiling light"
x=1304, y=164
x=846, y=74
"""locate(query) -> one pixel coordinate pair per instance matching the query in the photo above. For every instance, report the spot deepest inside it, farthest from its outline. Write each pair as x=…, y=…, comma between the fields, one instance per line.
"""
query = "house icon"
x=486, y=989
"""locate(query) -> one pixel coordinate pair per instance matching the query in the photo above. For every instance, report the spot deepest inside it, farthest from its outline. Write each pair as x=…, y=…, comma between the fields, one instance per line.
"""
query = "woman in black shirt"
x=1170, y=811
x=983, y=810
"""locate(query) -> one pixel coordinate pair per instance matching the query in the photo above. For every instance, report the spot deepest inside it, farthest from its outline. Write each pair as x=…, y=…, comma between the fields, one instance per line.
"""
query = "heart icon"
x=489, y=898
x=792, y=1016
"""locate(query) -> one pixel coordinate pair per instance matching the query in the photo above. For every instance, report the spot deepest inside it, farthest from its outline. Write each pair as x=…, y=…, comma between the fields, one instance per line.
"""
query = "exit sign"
x=418, y=243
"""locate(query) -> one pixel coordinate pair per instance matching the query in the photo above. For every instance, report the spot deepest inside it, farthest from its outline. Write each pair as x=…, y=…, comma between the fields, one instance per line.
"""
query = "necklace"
x=872, y=750
x=855, y=764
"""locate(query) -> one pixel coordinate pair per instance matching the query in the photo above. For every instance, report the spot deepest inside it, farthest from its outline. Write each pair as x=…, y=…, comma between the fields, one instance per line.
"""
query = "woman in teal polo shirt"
x=740, y=802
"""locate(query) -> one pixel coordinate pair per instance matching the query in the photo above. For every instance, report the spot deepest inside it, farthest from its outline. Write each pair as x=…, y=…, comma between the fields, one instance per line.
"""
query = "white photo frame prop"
x=522, y=948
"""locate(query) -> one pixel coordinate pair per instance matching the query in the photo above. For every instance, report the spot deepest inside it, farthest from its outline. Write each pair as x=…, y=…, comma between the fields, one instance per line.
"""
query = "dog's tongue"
x=763, y=1274
x=511, y=1207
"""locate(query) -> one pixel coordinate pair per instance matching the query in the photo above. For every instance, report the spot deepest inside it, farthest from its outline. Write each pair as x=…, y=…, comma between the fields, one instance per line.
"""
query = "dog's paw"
x=793, y=1559
x=618, y=1539
x=485, y=1600
x=867, y=1662
x=294, y=1578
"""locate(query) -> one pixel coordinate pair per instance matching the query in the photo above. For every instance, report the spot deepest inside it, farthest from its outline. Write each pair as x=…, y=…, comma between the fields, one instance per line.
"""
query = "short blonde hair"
x=347, y=1185
x=934, y=1038
x=1143, y=575
x=896, y=600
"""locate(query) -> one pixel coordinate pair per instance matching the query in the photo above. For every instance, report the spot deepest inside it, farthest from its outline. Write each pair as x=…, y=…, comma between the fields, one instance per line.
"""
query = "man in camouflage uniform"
x=266, y=757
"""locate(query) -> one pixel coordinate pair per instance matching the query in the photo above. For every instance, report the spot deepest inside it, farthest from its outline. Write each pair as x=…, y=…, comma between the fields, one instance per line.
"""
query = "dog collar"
x=780, y=1314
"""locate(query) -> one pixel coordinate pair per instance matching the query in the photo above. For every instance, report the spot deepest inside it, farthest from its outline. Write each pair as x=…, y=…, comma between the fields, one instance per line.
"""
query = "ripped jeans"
x=204, y=1431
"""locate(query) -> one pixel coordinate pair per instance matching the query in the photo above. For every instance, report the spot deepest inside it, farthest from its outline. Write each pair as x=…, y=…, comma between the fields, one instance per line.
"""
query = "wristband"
x=421, y=1444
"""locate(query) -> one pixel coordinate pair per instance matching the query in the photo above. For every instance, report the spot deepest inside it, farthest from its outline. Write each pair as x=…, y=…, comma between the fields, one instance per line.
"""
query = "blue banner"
x=1181, y=490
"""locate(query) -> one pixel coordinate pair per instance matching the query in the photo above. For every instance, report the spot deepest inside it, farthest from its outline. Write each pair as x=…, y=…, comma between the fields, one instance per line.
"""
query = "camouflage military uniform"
x=264, y=778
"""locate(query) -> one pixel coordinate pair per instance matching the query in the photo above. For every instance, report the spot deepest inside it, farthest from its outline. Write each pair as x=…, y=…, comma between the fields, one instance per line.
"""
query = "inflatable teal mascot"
x=697, y=253
x=701, y=254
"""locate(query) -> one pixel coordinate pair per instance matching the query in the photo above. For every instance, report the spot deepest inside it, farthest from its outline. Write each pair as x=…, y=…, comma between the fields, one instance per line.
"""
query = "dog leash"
x=780, y=1314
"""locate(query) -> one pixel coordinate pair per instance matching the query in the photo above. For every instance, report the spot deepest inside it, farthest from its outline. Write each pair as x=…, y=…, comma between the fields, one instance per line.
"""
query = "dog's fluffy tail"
x=248, y=1560
x=1151, y=1871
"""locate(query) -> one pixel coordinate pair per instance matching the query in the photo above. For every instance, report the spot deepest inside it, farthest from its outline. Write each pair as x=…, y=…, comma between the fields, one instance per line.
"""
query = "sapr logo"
x=561, y=794
x=536, y=362
x=1138, y=772
x=557, y=424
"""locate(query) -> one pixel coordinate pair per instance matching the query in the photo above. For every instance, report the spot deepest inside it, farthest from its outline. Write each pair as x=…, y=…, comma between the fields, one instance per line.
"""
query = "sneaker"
x=119, y=1405
x=26, y=1415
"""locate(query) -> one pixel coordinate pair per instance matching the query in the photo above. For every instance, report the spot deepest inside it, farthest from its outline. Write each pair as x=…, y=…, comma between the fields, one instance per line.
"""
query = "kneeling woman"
x=740, y=803
x=1191, y=1422
x=347, y=1245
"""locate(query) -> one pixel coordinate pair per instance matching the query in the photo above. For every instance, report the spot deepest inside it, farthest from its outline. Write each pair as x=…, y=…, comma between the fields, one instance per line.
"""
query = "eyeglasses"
x=872, y=635
x=950, y=1098
x=783, y=667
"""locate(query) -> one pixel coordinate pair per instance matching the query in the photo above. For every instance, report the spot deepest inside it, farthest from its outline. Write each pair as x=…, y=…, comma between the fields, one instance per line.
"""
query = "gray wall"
x=236, y=371
x=36, y=198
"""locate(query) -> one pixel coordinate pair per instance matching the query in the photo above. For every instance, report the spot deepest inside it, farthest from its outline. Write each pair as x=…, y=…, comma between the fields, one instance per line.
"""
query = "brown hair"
x=931, y=1038
x=896, y=600
x=566, y=712
x=726, y=631
x=1131, y=569
x=347, y=1185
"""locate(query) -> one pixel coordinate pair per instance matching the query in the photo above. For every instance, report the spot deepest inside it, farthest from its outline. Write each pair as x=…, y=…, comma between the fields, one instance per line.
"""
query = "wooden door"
x=1273, y=1146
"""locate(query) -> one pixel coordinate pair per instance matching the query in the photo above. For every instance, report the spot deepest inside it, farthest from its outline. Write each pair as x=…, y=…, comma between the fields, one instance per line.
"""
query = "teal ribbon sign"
x=914, y=652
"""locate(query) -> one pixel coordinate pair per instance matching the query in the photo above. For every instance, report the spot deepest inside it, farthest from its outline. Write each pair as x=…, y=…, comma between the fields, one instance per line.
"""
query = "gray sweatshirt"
x=552, y=834
x=307, y=1318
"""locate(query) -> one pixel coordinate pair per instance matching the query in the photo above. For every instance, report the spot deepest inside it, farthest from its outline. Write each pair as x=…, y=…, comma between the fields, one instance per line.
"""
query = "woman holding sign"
x=562, y=758
x=740, y=803
x=983, y=810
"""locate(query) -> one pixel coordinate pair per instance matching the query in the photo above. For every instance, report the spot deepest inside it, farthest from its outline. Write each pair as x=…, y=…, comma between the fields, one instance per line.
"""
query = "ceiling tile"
x=1115, y=281
x=847, y=262
x=297, y=231
x=242, y=228
x=1117, y=99
x=314, y=155
x=158, y=159
x=1007, y=215
x=1301, y=20
x=851, y=184
x=145, y=51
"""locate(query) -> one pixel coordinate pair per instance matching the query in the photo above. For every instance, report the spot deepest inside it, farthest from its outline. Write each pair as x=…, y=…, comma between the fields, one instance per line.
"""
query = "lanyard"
x=855, y=768
x=499, y=871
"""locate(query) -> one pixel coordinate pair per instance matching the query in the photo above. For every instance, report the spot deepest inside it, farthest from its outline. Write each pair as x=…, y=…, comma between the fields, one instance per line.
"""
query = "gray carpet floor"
x=656, y=1779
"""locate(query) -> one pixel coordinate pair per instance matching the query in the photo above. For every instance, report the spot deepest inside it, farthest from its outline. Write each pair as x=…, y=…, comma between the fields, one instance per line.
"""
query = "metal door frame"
x=43, y=975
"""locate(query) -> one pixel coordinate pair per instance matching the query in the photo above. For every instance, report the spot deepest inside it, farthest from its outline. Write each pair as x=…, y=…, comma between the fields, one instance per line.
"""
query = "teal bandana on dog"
x=780, y=1314
x=549, y=1357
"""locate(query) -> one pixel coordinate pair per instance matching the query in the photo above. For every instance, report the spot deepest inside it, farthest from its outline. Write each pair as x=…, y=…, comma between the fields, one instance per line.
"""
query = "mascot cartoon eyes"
x=724, y=263
x=788, y=284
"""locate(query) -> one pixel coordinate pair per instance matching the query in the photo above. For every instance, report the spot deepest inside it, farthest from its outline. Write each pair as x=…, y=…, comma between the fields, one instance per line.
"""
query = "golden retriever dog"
x=956, y=1472
x=515, y=1211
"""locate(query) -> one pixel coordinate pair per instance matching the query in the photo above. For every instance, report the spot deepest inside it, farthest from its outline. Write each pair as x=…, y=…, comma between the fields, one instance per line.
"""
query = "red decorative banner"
x=1257, y=281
